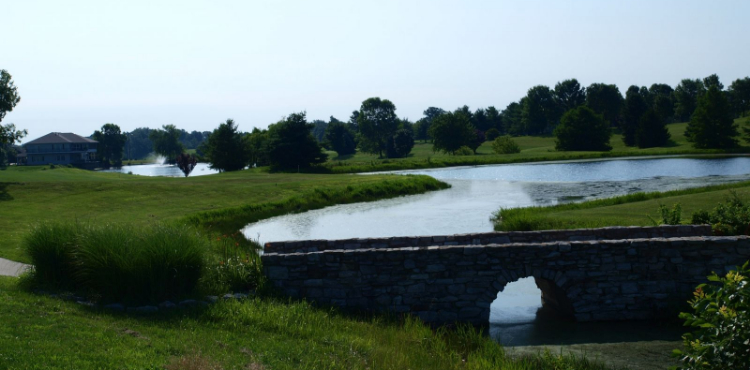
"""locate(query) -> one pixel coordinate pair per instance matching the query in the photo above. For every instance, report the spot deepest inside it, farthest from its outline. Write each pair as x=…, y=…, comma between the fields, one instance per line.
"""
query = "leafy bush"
x=721, y=318
x=730, y=218
x=669, y=216
x=117, y=262
x=464, y=150
x=505, y=145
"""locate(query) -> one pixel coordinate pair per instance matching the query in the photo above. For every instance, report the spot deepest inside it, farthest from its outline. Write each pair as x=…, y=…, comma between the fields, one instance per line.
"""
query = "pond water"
x=477, y=192
x=167, y=170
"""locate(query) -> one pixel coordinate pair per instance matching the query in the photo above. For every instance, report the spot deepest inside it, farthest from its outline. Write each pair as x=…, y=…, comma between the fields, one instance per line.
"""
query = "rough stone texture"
x=606, y=233
x=590, y=280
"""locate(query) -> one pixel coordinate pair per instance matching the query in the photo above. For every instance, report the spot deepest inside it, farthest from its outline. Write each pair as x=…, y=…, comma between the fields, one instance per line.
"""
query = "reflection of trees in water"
x=549, y=193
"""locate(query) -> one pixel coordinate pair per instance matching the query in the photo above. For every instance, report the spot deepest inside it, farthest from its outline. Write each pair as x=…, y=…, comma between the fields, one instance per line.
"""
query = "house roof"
x=61, y=137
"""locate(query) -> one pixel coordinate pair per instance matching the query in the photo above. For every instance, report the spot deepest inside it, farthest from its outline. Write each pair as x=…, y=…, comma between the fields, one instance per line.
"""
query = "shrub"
x=505, y=145
x=730, y=218
x=464, y=150
x=117, y=262
x=668, y=216
x=492, y=134
x=721, y=319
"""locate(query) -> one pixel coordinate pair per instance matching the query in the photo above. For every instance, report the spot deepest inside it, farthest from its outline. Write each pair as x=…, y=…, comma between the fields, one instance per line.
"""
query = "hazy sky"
x=80, y=64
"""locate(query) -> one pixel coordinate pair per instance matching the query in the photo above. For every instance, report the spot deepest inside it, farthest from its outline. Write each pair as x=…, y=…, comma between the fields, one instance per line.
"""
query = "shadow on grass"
x=4, y=195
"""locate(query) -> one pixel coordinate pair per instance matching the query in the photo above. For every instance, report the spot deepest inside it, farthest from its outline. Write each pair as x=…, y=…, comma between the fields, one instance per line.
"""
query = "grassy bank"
x=40, y=332
x=533, y=149
x=628, y=210
x=29, y=195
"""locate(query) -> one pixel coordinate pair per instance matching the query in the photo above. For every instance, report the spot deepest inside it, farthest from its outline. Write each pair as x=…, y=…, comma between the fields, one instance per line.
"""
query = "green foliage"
x=8, y=136
x=464, y=150
x=340, y=138
x=291, y=144
x=540, y=113
x=582, y=129
x=721, y=320
x=686, y=96
x=652, y=131
x=635, y=108
x=712, y=124
x=225, y=148
x=8, y=96
x=606, y=100
x=186, y=163
x=668, y=216
x=235, y=265
x=492, y=134
x=505, y=145
x=450, y=131
x=167, y=142
x=511, y=118
x=739, y=91
x=111, y=144
x=377, y=122
x=569, y=94
x=400, y=144
x=727, y=218
x=117, y=262
x=257, y=144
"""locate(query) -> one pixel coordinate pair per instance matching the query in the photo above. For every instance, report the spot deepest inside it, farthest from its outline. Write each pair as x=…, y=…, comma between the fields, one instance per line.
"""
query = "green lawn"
x=29, y=195
x=627, y=210
x=533, y=148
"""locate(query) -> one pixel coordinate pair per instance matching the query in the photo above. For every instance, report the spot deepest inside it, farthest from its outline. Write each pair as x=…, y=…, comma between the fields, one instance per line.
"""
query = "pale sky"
x=80, y=64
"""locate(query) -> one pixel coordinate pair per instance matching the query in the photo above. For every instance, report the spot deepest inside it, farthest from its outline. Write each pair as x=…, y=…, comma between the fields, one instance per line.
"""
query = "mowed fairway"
x=628, y=210
x=533, y=149
x=29, y=195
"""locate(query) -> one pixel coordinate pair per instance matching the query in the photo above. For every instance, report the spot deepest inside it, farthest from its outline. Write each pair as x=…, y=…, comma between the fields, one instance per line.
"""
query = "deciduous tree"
x=340, y=138
x=582, y=129
x=377, y=122
x=291, y=144
x=569, y=94
x=652, y=131
x=111, y=144
x=225, y=148
x=606, y=100
x=451, y=131
x=9, y=97
x=167, y=142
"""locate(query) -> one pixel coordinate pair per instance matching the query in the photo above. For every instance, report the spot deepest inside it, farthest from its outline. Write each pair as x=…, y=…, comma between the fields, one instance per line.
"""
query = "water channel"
x=477, y=192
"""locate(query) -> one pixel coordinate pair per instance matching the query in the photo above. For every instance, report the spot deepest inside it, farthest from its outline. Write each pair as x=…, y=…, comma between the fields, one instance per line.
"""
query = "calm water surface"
x=477, y=192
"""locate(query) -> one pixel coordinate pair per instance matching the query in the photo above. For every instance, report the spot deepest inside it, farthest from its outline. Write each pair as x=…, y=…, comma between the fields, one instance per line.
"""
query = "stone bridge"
x=588, y=274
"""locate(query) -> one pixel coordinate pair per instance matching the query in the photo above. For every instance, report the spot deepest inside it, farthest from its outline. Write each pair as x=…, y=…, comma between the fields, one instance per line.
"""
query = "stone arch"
x=555, y=300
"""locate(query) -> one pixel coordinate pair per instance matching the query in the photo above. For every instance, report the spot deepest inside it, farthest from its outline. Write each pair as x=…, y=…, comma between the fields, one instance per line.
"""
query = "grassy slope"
x=32, y=194
x=628, y=210
x=533, y=148
x=41, y=332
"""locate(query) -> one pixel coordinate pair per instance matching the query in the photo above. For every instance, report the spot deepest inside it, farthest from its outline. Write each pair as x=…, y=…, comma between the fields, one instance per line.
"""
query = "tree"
x=377, y=122
x=400, y=144
x=651, y=131
x=451, y=131
x=9, y=97
x=352, y=124
x=257, y=144
x=686, y=98
x=606, y=100
x=569, y=94
x=422, y=129
x=635, y=107
x=480, y=120
x=712, y=124
x=663, y=101
x=740, y=93
x=713, y=80
x=9, y=135
x=225, y=149
x=319, y=130
x=291, y=144
x=138, y=145
x=167, y=142
x=540, y=113
x=186, y=163
x=583, y=129
x=511, y=117
x=111, y=144
x=340, y=138
x=494, y=119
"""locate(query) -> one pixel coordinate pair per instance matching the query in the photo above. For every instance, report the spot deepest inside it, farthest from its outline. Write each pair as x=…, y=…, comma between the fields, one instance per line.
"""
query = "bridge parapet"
x=588, y=280
x=606, y=233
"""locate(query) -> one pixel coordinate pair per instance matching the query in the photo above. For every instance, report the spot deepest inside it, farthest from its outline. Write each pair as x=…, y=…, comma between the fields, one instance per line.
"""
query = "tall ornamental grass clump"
x=123, y=263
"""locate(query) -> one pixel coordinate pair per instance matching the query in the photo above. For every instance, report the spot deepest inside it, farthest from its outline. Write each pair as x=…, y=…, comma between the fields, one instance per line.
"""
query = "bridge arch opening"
x=529, y=299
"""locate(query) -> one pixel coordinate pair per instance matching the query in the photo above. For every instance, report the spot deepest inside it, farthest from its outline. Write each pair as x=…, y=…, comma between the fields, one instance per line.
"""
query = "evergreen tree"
x=712, y=124
x=340, y=138
x=291, y=144
x=225, y=148
x=635, y=107
x=652, y=131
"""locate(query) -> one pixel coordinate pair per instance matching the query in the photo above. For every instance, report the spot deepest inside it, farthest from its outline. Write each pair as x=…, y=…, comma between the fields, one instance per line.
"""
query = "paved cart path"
x=11, y=268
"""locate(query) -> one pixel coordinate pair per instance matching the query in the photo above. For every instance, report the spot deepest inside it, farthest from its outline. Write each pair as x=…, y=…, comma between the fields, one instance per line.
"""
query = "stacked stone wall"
x=590, y=280
x=607, y=233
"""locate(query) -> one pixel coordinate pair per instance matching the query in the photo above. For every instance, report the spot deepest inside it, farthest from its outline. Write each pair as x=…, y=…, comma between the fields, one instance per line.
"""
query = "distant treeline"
x=140, y=146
